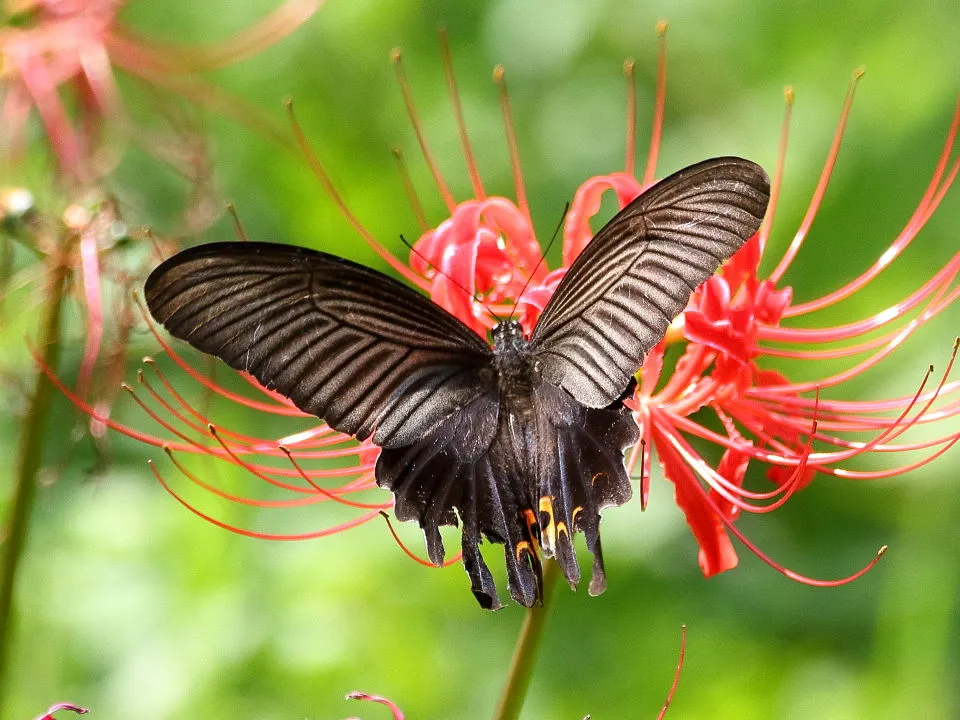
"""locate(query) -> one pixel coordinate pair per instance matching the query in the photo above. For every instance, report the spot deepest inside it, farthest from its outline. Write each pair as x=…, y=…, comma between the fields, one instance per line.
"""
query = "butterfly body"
x=526, y=445
x=520, y=443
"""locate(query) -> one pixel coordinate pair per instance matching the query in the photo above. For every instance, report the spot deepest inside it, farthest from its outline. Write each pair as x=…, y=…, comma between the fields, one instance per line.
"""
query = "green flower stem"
x=525, y=652
x=6, y=264
x=29, y=458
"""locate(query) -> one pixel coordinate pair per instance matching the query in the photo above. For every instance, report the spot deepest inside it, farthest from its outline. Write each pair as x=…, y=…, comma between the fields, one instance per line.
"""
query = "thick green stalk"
x=525, y=653
x=28, y=462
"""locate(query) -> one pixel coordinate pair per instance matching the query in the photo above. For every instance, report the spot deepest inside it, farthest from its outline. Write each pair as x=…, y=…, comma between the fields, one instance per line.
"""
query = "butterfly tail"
x=580, y=471
x=460, y=472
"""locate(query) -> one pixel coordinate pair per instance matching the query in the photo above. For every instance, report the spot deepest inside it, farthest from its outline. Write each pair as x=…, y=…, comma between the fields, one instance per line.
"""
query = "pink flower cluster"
x=74, y=45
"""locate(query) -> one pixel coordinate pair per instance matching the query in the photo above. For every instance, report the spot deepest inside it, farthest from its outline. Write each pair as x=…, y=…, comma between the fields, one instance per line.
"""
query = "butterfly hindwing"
x=447, y=471
x=637, y=274
x=579, y=472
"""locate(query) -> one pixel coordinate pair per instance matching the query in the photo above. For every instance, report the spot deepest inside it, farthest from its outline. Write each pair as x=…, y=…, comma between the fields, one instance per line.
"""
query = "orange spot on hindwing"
x=548, y=528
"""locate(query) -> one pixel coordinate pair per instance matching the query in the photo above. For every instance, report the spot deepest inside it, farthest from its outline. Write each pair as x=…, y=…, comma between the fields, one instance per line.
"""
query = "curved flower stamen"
x=821, y=189
x=312, y=535
x=48, y=715
x=660, y=101
x=519, y=186
x=412, y=555
x=393, y=707
x=321, y=174
x=396, y=58
x=676, y=675
x=927, y=206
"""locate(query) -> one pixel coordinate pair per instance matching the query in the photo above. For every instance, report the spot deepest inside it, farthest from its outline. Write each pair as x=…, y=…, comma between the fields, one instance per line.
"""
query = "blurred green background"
x=135, y=608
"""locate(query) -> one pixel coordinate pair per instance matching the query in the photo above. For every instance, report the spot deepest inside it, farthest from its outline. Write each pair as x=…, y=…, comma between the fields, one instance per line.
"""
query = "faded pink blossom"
x=76, y=46
x=397, y=713
x=48, y=715
x=54, y=49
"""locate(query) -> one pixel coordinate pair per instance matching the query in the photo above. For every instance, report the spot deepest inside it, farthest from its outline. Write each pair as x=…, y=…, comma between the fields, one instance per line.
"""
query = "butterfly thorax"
x=514, y=365
x=512, y=359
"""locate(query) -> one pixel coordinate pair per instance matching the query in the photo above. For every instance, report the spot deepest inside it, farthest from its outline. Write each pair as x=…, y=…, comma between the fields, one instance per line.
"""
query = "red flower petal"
x=586, y=203
x=716, y=551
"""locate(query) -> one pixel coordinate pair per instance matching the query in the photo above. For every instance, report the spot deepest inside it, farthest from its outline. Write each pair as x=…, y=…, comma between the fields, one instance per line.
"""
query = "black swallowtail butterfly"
x=521, y=443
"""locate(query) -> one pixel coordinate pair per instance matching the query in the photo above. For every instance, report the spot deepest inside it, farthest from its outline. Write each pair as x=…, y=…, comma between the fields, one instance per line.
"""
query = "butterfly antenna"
x=237, y=225
x=471, y=295
x=543, y=255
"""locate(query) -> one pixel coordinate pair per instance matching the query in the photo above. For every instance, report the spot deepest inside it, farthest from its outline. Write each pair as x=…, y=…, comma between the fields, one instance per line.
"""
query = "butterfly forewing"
x=343, y=342
x=638, y=273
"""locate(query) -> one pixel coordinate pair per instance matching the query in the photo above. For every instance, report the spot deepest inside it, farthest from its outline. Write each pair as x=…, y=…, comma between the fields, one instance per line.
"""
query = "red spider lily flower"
x=485, y=248
x=397, y=713
x=50, y=45
x=48, y=715
x=735, y=321
x=484, y=258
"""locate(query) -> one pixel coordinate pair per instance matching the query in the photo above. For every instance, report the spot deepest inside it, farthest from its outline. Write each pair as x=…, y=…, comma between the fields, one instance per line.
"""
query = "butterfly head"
x=508, y=338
